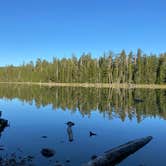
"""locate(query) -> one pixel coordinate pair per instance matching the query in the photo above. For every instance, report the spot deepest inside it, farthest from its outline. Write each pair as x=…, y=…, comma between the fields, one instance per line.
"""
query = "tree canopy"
x=136, y=68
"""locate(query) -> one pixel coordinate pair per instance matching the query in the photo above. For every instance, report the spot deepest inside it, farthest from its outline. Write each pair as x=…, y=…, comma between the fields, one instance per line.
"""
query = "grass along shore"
x=95, y=85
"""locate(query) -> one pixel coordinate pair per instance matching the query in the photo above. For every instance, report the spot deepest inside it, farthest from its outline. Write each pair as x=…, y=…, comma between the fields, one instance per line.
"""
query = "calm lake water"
x=114, y=115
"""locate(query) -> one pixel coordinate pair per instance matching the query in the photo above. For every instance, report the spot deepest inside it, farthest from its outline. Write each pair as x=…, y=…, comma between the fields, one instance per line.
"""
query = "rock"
x=69, y=123
x=93, y=157
x=30, y=157
x=47, y=152
x=3, y=124
x=58, y=165
x=44, y=136
x=12, y=161
x=91, y=133
x=67, y=161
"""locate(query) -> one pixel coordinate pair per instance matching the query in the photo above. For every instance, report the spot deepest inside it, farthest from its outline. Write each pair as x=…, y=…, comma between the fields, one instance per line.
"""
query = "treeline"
x=136, y=68
x=111, y=103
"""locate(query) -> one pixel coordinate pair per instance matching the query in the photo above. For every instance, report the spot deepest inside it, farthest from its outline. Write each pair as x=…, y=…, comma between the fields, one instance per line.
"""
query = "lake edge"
x=93, y=85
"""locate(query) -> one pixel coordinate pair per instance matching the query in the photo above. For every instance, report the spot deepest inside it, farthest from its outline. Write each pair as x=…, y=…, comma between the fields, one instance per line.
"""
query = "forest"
x=138, y=68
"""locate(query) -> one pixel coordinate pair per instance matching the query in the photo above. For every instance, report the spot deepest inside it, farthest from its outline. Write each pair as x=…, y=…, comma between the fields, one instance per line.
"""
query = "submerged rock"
x=59, y=165
x=69, y=123
x=93, y=157
x=91, y=134
x=47, y=152
x=13, y=160
x=67, y=161
x=3, y=124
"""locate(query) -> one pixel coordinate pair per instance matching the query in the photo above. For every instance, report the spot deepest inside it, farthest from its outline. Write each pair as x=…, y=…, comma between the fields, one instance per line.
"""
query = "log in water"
x=117, y=154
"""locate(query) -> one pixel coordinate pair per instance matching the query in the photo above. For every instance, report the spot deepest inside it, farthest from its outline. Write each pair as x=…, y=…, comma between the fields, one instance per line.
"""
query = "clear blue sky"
x=30, y=29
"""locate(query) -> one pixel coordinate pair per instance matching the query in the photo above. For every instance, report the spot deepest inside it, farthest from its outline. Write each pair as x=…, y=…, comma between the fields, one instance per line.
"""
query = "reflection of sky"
x=29, y=123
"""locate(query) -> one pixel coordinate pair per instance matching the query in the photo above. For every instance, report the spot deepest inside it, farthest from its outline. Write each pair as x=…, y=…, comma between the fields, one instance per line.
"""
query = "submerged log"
x=69, y=130
x=117, y=154
x=70, y=133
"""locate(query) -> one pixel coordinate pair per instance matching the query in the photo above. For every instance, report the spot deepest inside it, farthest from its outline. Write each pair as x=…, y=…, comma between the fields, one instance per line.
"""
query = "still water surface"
x=114, y=115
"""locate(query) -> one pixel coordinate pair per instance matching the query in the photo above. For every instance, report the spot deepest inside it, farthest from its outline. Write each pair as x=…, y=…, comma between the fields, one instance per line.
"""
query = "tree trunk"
x=117, y=154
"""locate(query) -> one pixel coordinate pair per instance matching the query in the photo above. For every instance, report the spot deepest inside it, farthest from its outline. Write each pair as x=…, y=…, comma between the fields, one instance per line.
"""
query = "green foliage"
x=123, y=68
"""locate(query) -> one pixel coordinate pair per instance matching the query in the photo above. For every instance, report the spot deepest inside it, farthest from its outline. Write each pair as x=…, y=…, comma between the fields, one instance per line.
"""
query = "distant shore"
x=95, y=85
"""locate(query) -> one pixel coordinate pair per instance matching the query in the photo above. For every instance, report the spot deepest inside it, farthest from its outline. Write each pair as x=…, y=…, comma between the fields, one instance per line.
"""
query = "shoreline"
x=92, y=85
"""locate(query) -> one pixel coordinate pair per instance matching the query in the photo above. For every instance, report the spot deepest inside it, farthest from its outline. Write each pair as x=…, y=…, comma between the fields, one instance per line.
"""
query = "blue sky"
x=31, y=29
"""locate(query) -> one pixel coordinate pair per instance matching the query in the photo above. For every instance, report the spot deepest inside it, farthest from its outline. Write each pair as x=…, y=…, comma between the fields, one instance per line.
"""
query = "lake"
x=115, y=115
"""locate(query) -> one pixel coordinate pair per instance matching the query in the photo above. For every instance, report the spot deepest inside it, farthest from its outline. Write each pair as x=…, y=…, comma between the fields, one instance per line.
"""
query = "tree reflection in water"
x=121, y=103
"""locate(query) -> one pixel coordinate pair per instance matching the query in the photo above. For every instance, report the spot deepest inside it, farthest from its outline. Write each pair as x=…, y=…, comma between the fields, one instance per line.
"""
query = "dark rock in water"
x=91, y=134
x=47, y=152
x=93, y=157
x=58, y=165
x=69, y=123
x=2, y=149
x=67, y=161
x=30, y=157
x=13, y=160
x=3, y=124
x=44, y=136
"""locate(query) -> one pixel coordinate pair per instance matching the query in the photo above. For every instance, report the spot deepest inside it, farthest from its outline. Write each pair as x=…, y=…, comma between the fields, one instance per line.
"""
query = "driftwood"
x=69, y=130
x=70, y=133
x=117, y=154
